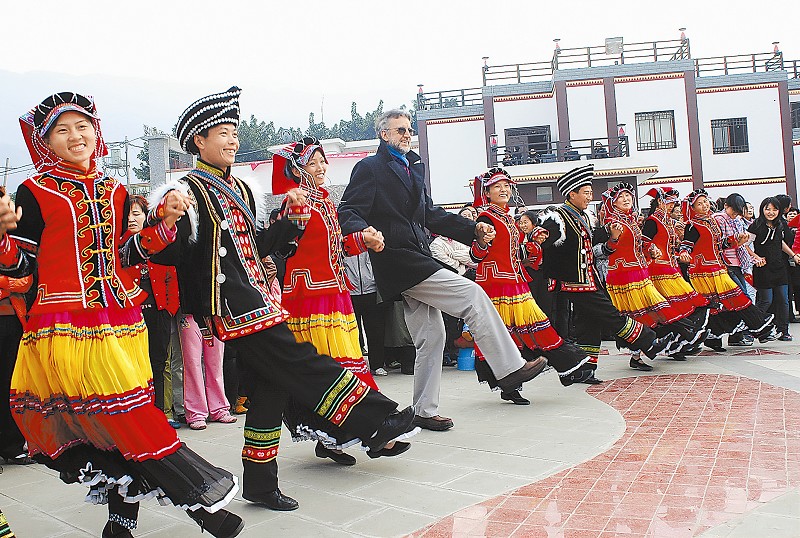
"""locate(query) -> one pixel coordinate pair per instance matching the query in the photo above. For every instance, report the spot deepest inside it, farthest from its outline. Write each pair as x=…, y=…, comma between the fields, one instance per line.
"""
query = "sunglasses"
x=402, y=131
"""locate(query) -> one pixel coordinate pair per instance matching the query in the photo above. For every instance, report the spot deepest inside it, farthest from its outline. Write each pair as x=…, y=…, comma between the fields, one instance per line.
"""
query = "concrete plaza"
x=708, y=447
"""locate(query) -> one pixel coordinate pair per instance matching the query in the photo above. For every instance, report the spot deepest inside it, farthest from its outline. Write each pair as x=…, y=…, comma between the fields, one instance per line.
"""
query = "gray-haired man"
x=388, y=191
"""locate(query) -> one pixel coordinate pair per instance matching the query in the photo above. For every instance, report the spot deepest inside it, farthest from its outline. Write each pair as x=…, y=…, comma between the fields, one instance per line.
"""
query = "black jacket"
x=384, y=195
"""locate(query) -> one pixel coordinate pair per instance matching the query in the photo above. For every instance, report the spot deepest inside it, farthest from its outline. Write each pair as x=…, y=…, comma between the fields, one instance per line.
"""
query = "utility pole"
x=127, y=166
x=5, y=173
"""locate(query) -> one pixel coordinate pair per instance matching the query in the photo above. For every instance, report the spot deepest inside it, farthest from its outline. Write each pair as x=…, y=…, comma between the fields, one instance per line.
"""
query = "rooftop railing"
x=741, y=63
x=616, y=53
x=560, y=151
x=449, y=98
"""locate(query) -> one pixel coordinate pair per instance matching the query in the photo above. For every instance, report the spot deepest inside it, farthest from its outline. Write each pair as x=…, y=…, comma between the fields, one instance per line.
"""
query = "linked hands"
x=484, y=233
x=615, y=229
x=9, y=215
x=296, y=197
x=176, y=204
x=373, y=239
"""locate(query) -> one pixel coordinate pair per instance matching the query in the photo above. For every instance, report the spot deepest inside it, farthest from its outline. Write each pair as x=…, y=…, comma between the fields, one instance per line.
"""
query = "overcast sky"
x=145, y=61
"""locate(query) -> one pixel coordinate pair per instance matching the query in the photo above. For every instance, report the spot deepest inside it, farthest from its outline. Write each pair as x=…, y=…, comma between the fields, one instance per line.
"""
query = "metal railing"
x=740, y=63
x=560, y=151
x=792, y=67
x=449, y=98
x=649, y=51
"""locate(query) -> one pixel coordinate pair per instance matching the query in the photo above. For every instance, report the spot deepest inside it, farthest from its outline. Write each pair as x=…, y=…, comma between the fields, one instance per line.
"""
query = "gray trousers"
x=445, y=291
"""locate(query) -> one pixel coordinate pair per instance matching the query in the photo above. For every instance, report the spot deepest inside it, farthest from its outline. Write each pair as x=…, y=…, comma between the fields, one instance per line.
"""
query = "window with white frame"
x=729, y=135
x=655, y=130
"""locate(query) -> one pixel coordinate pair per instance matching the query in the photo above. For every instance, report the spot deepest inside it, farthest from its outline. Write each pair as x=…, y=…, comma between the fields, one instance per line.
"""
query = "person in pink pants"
x=204, y=397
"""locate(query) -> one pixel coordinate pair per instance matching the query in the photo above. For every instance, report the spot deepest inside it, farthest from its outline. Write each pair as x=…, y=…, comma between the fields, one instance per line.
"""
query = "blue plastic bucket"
x=466, y=359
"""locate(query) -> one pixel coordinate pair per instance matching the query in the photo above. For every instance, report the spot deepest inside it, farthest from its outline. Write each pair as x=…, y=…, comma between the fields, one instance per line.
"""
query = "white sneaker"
x=381, y=371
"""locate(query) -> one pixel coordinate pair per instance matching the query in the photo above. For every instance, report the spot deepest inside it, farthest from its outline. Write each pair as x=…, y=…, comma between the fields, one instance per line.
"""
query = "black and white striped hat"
x=575, y=179
x=207, y=112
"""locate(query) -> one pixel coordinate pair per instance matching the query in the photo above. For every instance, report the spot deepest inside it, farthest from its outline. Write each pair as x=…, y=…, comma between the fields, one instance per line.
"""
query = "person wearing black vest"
x=218, y=256
x=568, y=258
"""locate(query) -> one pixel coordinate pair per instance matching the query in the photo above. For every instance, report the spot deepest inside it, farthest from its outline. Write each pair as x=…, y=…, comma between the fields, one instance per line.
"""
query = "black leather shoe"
x=220, y=524
x=339, y=457
x=513, y=380
x=639, y=364
x=515, y=397
x=435, y=424
x=274, y=500
x=398, y=448
x=678, y=357
x=392, y=427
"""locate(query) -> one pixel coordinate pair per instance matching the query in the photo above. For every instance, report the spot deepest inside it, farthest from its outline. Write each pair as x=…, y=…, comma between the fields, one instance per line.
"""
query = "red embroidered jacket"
x=71, y=233
x=318, y=265
x=499, y=262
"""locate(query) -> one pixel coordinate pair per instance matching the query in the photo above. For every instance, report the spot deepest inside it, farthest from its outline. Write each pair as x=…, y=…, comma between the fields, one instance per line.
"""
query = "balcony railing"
x=555, y=151
x=449, y=98
x=742, y=63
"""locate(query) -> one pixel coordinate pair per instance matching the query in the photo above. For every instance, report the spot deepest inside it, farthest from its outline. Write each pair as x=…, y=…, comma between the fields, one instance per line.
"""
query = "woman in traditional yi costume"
x=316, y=290
x=82, y=391
x=628, y=282
x=502, y=277
x=702, y=240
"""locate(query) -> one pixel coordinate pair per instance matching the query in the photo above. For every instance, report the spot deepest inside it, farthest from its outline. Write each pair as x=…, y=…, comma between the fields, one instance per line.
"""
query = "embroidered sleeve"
x=299, y=215
x=19, y=248
x=477, y=252
x=690, y=237
x=353, y=244
x=139, y=247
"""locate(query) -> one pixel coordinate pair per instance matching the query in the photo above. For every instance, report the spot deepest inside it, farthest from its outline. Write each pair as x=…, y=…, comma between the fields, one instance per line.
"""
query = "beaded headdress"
x=207, y=112
x=40, y=119
x=686, y=206
x=665, y=194
x=611, y=195
x=295, y=155
x=484, y=181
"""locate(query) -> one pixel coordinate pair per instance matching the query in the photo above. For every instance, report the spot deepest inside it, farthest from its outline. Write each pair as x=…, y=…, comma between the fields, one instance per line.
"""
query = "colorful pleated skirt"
x=82, y=396
x=525, y=321
x=718, y=287
x=673, y=287
x=634, y=294
x=329, y=324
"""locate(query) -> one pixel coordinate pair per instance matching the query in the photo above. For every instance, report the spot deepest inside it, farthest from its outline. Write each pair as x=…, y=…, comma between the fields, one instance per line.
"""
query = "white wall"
x=525, y=113
x=653, y=96
x=457, y=153
x=764, y=133
x=586, y=106
x=752, y=193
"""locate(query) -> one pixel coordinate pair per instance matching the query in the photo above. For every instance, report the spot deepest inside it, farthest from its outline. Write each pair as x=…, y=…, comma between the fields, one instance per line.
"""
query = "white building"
x=645, y=113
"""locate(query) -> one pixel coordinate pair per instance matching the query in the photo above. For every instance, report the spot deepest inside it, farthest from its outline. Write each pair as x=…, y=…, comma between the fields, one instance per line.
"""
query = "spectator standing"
x=770, y=276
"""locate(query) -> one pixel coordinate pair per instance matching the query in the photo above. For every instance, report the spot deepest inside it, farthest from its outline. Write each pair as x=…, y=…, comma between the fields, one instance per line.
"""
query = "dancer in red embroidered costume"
x=82, y=392
x=502, y=277
x=316, y=290
x=662, y=230
x=702, y=240
x=628, y=282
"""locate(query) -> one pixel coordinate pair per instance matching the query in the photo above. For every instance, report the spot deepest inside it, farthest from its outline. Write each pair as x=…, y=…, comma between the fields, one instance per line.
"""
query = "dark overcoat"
x=394, y=200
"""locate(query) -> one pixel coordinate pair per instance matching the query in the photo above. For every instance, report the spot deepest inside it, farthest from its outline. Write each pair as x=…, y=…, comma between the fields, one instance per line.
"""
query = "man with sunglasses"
x=388, y=191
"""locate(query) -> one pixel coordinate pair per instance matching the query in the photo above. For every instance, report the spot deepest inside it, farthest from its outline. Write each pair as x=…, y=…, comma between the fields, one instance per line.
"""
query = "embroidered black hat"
x=207, y=112
x=575, y=179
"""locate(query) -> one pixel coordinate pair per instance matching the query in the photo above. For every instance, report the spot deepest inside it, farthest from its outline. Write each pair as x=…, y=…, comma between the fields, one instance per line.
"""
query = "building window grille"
x=544, y=194
x=655, y=130
x=730, y=135
x=795, y=115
